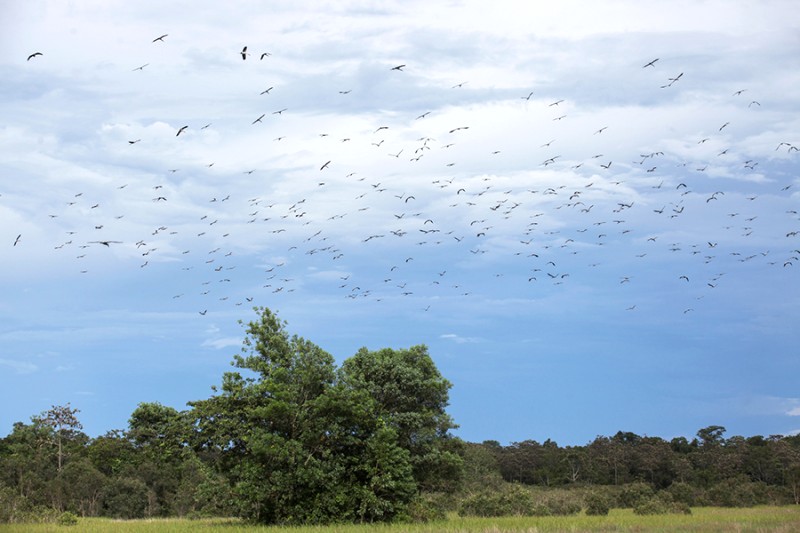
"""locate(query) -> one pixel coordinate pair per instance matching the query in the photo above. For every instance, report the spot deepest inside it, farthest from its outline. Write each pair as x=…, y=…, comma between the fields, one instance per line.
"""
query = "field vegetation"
x=761, y=519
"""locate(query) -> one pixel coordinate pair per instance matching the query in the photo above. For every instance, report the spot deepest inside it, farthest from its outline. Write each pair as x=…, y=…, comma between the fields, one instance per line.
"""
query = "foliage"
x=67, y=519
x=635, y=493
x=517, y=500
x=125, y=498
x=597, y=504
x=301, y=442
x=660, y=503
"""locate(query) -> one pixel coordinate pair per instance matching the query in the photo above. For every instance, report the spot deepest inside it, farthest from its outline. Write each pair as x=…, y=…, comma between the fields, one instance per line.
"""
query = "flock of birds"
x=533, y=230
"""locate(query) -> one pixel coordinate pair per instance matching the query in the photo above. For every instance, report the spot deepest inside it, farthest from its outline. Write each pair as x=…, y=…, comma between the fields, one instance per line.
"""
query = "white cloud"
x=20, y=367
x=224, y=342
x=459, y=339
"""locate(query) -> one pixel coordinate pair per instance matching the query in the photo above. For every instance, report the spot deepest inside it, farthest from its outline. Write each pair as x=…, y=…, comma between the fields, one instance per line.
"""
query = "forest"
x=290, y=438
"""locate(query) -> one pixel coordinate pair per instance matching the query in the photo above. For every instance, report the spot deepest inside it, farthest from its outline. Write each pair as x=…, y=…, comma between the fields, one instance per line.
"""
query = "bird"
x=259, y=118
x=160, y=38
x=398, y=67
x=651, y=63
x=17, y=239
x=35, y=54
x=527, y=97
x=244, y=53
x=325, y=165
x=140, y=68
x=265, y=54
x=181, y=130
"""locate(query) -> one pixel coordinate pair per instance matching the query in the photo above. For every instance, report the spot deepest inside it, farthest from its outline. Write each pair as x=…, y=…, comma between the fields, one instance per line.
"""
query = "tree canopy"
x=303, y=442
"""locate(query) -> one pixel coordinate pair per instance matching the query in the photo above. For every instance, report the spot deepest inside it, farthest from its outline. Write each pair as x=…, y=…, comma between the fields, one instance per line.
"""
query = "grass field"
x=757, y=519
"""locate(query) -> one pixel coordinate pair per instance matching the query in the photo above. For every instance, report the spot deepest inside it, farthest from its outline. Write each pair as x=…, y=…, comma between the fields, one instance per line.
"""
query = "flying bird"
x=33, y=55
x=259, y=118
x=651, y=63
x=161, y=38
x=325, y=165
x=398, y=67
x=17, y=239
x=244, y=53
x=181, y=130
x=265, y=54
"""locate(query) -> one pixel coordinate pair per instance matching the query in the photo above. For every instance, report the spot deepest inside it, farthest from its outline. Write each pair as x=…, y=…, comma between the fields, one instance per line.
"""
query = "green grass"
x=702, y=520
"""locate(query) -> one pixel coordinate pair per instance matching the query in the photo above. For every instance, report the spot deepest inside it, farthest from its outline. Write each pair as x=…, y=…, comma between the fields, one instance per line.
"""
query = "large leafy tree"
x=412, y=397
x=299, y=444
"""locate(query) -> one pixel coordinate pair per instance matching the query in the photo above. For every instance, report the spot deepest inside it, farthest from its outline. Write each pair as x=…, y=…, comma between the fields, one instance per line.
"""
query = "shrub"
x=562, y=502
x=426, y=508
x=738, y=492
x=683, y=493
x=635, y=493
x=507, y=502
x=597, y=504
x=67, y=519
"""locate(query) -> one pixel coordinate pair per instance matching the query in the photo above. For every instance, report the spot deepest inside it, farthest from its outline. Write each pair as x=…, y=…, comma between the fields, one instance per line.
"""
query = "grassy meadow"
x=704, y=519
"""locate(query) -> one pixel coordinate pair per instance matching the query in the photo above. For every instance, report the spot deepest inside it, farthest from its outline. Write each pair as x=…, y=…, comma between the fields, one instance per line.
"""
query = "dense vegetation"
x=289, y=438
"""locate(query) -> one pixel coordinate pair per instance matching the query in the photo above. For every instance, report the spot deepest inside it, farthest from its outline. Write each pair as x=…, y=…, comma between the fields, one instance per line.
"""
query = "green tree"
x=412, y=398
x=298, y=444
x=80, y=486
x=65, y=425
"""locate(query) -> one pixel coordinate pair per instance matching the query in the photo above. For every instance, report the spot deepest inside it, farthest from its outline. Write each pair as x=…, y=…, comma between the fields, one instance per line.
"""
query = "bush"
x=519, y=501
x=426, y=508
x=561, y=503
x=513, y=501
x=597, y=504
x=635, y=493
x=738, y=492
x=67, y=519
x=683, y=493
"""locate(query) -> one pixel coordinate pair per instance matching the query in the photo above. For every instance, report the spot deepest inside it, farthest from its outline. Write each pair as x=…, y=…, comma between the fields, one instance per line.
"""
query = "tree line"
x=289, y=438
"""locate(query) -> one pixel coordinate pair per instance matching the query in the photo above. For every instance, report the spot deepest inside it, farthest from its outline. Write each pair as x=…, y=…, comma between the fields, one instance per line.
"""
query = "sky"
x=587, y=211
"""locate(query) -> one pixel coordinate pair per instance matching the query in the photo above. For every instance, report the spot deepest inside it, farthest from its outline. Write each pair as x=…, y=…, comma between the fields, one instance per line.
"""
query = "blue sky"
x=586, y=244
